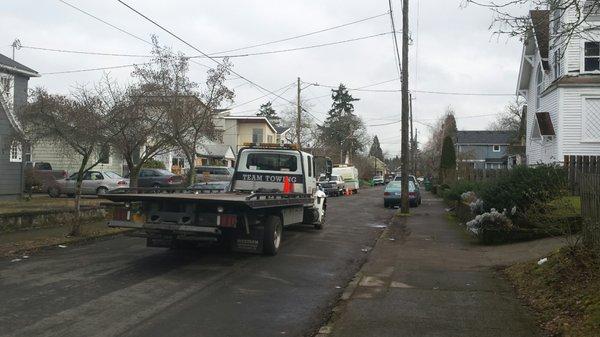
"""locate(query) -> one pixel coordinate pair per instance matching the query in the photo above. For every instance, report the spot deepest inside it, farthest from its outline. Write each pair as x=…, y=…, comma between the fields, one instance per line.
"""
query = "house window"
x=104, y=155
x=496, y=148
x=540, y=85
x=591, y=58
x=5, y=84
x=590, y=131
x=269, y=139
x=15, y=153
x=557, y=65
x=257, y=136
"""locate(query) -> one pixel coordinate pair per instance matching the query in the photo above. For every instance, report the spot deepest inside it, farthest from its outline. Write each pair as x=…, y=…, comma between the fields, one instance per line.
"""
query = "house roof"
x=15, y=67
x=484, y=137
x=253, y=118
x=282, y=129
x=545, y=123
x=215, y=150
x=540, y=21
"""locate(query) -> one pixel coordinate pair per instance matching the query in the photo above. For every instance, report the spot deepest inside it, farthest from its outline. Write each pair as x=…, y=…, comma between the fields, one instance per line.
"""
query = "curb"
x=73, y=242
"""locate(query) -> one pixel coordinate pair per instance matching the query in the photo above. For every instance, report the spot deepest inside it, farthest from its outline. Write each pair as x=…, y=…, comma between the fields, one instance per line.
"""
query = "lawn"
x=565, y=291
x=40, y=203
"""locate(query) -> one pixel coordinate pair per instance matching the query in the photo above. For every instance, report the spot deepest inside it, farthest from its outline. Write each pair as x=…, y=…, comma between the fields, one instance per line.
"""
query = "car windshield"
x=394, y=185
x=112, y=175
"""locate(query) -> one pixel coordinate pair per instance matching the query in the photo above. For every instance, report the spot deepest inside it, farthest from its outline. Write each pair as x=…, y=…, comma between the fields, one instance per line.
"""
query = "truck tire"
x=272, y=235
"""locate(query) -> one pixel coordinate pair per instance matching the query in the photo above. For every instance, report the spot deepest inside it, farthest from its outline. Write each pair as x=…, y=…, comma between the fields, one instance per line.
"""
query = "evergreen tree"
x=343, y=130
x=448, y=161
x=266, y=110
x=376, y=150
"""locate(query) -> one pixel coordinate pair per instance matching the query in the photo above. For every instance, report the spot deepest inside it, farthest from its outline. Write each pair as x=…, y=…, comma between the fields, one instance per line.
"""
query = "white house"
x=560, y=79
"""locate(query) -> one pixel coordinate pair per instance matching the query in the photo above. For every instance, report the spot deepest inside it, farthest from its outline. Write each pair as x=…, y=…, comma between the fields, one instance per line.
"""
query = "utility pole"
x=412, y=136
x=299, y=121
x=405, y=108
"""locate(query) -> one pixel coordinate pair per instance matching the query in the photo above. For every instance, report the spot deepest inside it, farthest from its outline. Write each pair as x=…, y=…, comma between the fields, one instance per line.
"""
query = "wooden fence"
x=467, y=172
x=590, y=209
x=576, y=166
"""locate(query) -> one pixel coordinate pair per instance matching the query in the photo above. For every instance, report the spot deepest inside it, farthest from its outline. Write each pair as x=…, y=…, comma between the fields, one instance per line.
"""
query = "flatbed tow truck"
x=273, y=187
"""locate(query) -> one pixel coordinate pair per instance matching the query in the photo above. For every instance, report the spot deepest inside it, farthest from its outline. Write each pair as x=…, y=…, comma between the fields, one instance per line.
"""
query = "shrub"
x=524, y=186
x=456, y=190
x=155, y=164
x=491, y=227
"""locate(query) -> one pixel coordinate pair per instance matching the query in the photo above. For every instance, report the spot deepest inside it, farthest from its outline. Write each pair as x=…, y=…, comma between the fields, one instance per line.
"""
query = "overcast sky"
x=452, y=51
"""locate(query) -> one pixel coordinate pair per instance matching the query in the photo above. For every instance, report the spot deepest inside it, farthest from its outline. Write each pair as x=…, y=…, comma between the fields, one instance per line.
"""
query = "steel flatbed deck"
x=249, y=200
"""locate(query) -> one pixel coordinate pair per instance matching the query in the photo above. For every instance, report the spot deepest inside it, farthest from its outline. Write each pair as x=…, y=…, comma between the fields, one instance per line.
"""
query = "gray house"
x=13, y=95
x=483, y=149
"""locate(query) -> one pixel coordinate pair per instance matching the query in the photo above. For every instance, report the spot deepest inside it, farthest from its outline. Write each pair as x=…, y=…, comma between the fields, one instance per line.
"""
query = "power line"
x=199, y=51
x=303, y=35
x=286, y=87
x=294, y=49
x=268, y=52
x=84, y=52
x=450, y=93
x=92, y=69
x=119, y=29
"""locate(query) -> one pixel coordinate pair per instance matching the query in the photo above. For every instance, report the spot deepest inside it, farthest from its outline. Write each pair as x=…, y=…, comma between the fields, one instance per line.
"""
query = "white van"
x=349, y=174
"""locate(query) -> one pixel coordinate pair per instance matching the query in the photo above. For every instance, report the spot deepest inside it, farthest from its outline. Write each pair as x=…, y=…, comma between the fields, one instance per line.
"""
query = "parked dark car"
x=158, y=178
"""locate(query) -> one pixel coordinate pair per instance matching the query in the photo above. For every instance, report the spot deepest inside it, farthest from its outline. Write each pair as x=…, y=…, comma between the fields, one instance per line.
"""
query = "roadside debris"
x=15, y=260
x=25, y=256
x=375, y=225
x=62, y=246
x=392, y=239
x=542, y=261
x=338, y=287
x=366, y=249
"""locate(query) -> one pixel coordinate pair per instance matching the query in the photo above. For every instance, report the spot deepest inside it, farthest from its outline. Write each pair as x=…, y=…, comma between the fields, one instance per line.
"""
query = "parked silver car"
x=213, y=173
x=93, y=183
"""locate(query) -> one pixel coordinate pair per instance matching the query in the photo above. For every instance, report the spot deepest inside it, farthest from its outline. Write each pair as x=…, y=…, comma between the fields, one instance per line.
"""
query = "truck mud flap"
x=248, y=243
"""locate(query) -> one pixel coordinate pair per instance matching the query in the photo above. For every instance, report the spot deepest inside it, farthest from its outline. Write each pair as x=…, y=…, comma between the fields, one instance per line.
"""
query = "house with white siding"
x=14, y=78
x=560, y=79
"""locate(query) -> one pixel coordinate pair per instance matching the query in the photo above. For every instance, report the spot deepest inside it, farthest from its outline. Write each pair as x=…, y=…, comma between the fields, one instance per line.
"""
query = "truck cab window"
x=272, y=162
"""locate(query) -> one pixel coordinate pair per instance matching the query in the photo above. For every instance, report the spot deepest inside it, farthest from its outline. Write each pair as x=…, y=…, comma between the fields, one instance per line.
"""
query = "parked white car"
x=93, y=183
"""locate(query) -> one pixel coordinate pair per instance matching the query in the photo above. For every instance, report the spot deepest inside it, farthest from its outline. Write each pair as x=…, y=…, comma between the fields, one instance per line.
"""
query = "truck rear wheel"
x=272, y=235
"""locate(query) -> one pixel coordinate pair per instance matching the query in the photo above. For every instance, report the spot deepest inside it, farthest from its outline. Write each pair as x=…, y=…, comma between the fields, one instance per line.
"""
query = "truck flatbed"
x=249, y=200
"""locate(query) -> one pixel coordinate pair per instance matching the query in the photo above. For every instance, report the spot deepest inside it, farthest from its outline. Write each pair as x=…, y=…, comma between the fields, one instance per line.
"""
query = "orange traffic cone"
x=288, y=187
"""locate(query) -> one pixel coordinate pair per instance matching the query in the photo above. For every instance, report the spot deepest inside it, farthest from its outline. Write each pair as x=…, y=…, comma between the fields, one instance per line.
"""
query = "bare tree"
x=138, y=126
x=308, y=130
x=569, y=17
x=189, y=111
x=510, y=119
x=77, y=121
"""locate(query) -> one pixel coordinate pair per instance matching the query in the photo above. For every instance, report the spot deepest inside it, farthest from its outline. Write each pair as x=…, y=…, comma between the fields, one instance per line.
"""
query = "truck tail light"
x=386, y=193
x=227, y=220
x=412, y=194
x=64, y=174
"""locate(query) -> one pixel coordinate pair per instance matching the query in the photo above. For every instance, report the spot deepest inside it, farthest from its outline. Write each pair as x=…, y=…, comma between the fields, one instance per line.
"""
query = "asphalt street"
x=119, y=287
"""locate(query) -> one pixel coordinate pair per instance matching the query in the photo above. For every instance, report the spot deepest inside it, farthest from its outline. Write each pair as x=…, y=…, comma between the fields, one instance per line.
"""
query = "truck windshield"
x=272, y=162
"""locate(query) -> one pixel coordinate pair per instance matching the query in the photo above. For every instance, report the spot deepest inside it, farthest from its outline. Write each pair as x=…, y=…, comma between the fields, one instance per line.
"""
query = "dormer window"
x=496, y=148
x=591, y=56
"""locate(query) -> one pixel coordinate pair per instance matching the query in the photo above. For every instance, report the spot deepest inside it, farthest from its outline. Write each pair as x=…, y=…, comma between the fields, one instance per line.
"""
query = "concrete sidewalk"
x=424, y=278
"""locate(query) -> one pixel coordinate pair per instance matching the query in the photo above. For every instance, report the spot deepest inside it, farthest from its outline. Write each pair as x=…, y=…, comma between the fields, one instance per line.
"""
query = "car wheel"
x=101, y=190
x=54, y=192
x=273, y=229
